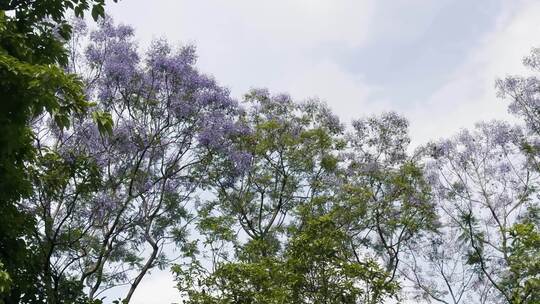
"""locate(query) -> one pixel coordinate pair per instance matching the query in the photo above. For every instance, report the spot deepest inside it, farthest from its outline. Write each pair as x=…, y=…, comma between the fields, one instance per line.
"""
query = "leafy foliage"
x=289, y=205
x=110, y=195
x=32, y=36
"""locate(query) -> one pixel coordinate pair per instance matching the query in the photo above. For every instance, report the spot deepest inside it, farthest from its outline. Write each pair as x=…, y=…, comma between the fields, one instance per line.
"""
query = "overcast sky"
x=435, y=62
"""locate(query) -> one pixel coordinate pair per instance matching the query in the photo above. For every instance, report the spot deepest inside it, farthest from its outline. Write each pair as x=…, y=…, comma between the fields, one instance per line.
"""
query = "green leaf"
x=104, y=122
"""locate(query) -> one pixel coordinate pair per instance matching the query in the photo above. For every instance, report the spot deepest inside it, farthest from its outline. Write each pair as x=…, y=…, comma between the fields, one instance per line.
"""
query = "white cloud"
x=470, y=95
x=246, y=43
x=290, y=23
x=158, y=288
x=346, y=93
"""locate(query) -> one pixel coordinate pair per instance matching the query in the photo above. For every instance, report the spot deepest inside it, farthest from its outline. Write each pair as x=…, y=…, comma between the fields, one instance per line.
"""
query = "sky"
x=435, y=62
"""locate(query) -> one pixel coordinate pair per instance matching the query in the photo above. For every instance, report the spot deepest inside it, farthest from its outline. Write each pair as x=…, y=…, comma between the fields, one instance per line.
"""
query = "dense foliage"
x=32, y=54
x=262, y=201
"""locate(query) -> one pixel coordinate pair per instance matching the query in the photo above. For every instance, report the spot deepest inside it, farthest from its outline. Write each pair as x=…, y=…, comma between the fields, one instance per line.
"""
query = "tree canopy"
x=115, y=162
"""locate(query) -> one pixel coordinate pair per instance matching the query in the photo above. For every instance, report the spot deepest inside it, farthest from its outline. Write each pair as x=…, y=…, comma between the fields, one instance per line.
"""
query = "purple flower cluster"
x=486, y=161
x=217, y=133
x=275, y=107
x=161, y=59
x=113, y=54
x=123, y=137
x=242, y=161
x=524, y=93
x=162, y=107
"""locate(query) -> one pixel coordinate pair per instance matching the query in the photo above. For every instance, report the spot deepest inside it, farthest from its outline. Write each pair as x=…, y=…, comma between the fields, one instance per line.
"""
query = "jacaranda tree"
x=115, y=162
x=106, y=203
x=485, y=190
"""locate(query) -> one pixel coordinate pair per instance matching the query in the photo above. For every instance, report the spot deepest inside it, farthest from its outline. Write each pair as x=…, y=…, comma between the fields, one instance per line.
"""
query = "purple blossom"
x=500, y=133
x=259, y=93
x=324, y=115
x=216, y=97
x=113, y=53
x=216, y=130
x=524, y=93
x=182, y=109
x=241, y=161
x=282, y=98
x=100, y=207
x=79, y=26
x=123, y=138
